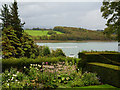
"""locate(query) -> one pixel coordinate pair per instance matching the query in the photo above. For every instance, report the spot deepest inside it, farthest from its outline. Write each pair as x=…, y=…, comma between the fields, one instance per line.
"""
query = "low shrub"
x=21, y=62
x=57, y=53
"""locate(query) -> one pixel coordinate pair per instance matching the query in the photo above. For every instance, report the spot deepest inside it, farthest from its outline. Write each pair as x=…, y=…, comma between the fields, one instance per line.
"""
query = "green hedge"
x=109, y=74
x=21, y=62
x=103, y=57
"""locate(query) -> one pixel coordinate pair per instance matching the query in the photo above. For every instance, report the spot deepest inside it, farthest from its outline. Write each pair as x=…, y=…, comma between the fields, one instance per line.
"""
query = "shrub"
x=57, y=53
x=90, y=79
x=13, y=79
x=85, y=79
x=44, y=51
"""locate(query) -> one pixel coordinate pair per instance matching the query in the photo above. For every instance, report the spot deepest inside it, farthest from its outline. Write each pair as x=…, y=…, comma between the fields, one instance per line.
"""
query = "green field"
x=39, y=33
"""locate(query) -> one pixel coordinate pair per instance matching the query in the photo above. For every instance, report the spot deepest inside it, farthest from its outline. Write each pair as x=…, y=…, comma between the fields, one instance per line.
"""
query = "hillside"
x=68, y=33
x=40, y=33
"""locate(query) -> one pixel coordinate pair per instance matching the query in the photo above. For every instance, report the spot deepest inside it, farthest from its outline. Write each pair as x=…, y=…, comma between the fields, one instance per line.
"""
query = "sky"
x=72, y=14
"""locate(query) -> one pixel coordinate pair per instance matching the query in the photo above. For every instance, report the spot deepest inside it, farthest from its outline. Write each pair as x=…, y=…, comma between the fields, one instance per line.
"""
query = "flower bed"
x=43, y=75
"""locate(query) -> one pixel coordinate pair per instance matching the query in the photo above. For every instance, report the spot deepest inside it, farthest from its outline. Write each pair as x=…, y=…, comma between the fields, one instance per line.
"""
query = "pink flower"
x=46, y=62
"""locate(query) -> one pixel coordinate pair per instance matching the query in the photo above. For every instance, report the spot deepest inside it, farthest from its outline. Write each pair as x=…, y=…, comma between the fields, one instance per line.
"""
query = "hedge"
x=109, y=74
x=102, y=57
x=21, y=62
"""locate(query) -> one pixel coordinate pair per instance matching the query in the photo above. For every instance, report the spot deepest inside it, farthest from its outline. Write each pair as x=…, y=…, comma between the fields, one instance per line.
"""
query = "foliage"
x=111, y=11
x=21, y=62
x=70, y=33
x=57, y=52
x=5, y=16
x=108, y=57
x=46, y=76
x=15, y=20
x=90, y=78
x=51, y=32
x=13, y=79
x=108, y=73
x=12, y=46
x=11, y=18
x=44, y=51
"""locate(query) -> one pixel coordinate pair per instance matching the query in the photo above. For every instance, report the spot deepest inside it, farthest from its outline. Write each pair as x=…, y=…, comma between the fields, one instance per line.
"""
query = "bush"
x=57, y=53
x=85, y=79
x=44, y=51
x=90, y=79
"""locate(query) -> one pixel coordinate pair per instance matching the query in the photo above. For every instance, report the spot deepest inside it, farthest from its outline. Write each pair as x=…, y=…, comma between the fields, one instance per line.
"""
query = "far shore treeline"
x=68, y=33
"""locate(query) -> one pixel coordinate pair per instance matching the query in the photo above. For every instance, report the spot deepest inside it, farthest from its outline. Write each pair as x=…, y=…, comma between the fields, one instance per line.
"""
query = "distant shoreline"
x=71, y=41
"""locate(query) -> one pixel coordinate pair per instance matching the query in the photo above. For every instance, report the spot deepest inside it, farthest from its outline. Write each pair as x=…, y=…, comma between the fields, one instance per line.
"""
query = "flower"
x=46, y=62
x=14, y=75
x=8, y=84
x=43, y=63
x=24, y=67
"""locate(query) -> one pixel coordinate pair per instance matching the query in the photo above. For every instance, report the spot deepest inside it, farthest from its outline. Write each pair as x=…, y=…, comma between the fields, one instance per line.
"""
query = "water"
x=74, y=48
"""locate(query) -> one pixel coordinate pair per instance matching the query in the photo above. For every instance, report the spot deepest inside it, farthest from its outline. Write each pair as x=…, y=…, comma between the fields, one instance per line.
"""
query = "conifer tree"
x=15, y=20
x=5, y=16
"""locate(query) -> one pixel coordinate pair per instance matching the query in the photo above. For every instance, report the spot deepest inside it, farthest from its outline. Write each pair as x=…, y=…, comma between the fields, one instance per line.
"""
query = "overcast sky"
x=49, y=14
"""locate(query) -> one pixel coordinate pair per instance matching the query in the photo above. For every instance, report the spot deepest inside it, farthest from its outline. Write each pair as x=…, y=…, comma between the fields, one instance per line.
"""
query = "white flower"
x=8, y=74
x=30, y=64
x=8, y=84
x=17, y=71
x=39, y=65
x=12, y=78
x=14, y=75
x=16, y=80
x=24, y=67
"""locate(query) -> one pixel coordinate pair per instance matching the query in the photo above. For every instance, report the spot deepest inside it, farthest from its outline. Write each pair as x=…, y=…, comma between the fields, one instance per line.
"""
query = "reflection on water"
x=74, y=48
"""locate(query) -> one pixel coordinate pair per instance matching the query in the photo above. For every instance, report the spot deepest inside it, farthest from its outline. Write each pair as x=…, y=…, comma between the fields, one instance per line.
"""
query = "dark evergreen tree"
x=15, y=20
x=5, y=16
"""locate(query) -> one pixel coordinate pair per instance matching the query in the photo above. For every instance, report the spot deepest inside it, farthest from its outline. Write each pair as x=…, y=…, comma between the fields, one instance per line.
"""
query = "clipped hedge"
x=102, y=57
x=109, y=74
x=21, y=62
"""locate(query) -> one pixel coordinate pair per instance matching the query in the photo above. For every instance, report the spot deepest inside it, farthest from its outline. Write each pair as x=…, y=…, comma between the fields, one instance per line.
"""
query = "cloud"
x=50, y=14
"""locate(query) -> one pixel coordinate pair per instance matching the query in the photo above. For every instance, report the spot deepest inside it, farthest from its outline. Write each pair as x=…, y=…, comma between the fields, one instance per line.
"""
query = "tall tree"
x=15, y=20
x=5, y=16
x=111, y=11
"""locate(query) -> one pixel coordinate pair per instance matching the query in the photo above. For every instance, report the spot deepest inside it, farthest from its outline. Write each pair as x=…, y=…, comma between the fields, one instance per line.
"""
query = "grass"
x=98, y=86
x=107, y=65
x=39, y=33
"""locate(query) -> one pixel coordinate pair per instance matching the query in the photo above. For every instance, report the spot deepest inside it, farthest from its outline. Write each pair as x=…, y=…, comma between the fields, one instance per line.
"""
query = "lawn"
x=98, y=86
x=39, y=33
x=107, y=65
